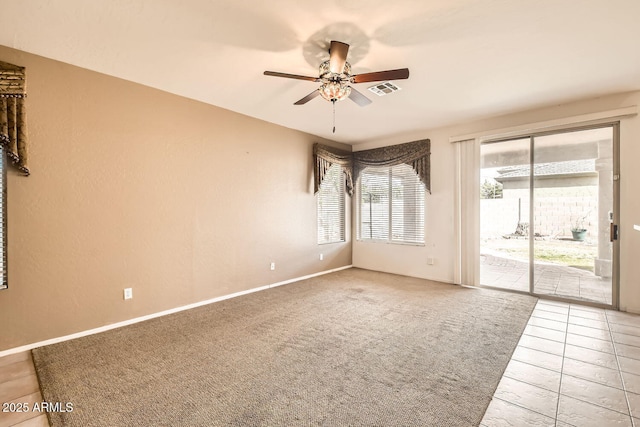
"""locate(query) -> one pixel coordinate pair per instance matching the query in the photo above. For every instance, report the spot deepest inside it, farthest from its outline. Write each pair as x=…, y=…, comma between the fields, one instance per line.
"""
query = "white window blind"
x=391, y=205
x=3, y=218
x=331, y=221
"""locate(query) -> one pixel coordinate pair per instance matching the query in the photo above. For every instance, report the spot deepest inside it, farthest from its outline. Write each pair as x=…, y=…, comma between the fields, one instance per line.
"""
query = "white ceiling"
x=468, y=59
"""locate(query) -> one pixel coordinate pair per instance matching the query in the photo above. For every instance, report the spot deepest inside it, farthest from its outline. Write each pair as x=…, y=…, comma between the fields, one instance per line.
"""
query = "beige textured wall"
x=134, y=187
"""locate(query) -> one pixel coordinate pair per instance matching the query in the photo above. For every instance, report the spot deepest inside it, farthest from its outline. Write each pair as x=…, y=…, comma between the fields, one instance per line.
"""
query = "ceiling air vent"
x=385, y=88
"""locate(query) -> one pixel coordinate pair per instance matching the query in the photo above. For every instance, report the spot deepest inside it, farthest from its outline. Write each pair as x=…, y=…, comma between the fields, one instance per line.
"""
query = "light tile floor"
x=19, y=389
x=574, y=366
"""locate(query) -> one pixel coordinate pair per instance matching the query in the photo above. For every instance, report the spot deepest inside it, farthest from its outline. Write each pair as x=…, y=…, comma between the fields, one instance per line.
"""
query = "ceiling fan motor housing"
x=326, y=74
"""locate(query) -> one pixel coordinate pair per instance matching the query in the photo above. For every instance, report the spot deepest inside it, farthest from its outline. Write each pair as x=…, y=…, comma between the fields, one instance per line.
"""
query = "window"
x=3, y=218
x=331, y=207
x=391, y=205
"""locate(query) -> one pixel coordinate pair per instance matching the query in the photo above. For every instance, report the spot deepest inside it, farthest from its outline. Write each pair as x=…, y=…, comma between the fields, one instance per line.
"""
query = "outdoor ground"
x=562, y=268
x=557, y=251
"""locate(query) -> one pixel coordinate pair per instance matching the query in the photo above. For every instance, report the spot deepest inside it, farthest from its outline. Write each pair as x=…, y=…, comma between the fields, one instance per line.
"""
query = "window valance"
x=13, y=115
x=416, y=154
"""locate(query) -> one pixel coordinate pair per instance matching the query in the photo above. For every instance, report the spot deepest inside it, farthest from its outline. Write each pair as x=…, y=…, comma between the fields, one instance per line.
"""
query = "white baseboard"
x=159, y=314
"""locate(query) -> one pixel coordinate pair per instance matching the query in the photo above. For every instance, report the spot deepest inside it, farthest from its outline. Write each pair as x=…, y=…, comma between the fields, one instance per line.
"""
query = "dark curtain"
x=416, y=154
x=324, y=157
x=13, y=115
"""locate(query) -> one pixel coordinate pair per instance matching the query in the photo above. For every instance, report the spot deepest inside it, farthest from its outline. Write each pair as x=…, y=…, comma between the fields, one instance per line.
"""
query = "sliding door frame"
x=615, y=270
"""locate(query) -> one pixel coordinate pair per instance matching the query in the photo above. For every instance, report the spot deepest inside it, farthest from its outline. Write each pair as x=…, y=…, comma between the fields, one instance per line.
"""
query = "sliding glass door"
x=547, y=214
x=504, y=216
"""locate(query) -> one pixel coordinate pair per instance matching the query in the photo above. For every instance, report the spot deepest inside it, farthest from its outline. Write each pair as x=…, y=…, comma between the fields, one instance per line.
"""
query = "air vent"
x=385, y=88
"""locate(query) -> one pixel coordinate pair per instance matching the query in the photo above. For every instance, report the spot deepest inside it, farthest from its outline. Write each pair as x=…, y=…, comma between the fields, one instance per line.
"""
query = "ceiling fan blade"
x=337, y=56
x=359, y=98
x=291, y=76
x=402, y=73
x=307, y=98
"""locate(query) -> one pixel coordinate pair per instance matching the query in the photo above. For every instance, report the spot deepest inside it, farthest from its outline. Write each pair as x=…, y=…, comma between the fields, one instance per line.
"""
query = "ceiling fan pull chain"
x=334, y=115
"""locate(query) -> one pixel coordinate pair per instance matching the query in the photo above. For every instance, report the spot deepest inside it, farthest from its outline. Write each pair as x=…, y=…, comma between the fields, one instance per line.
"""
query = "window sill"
x=332, y=243
x=391, y=242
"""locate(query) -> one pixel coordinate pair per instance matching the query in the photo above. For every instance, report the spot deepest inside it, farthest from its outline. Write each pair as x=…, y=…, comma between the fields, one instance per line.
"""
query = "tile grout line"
x=526, y=382
x=591, y=403
x=521, y=406
x=564, y=350
x=624, y=387
x=621, y=388
x=544, y=338
x=18, y=377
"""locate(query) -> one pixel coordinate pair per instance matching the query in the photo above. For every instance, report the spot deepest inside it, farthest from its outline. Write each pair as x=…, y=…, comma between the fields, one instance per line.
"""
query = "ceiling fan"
x=336, y=78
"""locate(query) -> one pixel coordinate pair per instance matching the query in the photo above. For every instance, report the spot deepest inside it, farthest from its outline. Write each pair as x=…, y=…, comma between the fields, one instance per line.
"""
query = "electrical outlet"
x=321, y=257
x=431, y=261
x=128, y=293
x=273, y=266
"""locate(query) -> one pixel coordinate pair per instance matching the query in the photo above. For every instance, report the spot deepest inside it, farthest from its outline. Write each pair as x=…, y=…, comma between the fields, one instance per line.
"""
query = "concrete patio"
x=501, y=271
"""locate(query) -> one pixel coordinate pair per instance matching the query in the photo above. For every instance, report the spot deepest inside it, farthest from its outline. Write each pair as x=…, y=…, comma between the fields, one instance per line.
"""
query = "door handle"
x=613, y=232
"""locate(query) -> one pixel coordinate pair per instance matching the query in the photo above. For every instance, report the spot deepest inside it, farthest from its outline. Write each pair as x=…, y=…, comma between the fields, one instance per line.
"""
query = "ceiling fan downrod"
x=333, y=101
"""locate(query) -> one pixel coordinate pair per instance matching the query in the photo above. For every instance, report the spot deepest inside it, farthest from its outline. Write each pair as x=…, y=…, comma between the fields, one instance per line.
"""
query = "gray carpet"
x=354, y=347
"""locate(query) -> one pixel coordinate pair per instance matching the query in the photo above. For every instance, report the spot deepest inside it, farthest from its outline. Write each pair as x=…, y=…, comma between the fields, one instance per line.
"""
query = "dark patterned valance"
x=13, y=115
x=416, y=154
x=324, y=157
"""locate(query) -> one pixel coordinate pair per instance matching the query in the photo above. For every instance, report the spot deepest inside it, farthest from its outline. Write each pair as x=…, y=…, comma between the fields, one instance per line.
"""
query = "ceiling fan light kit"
x=334, y=84
x=335, y=91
